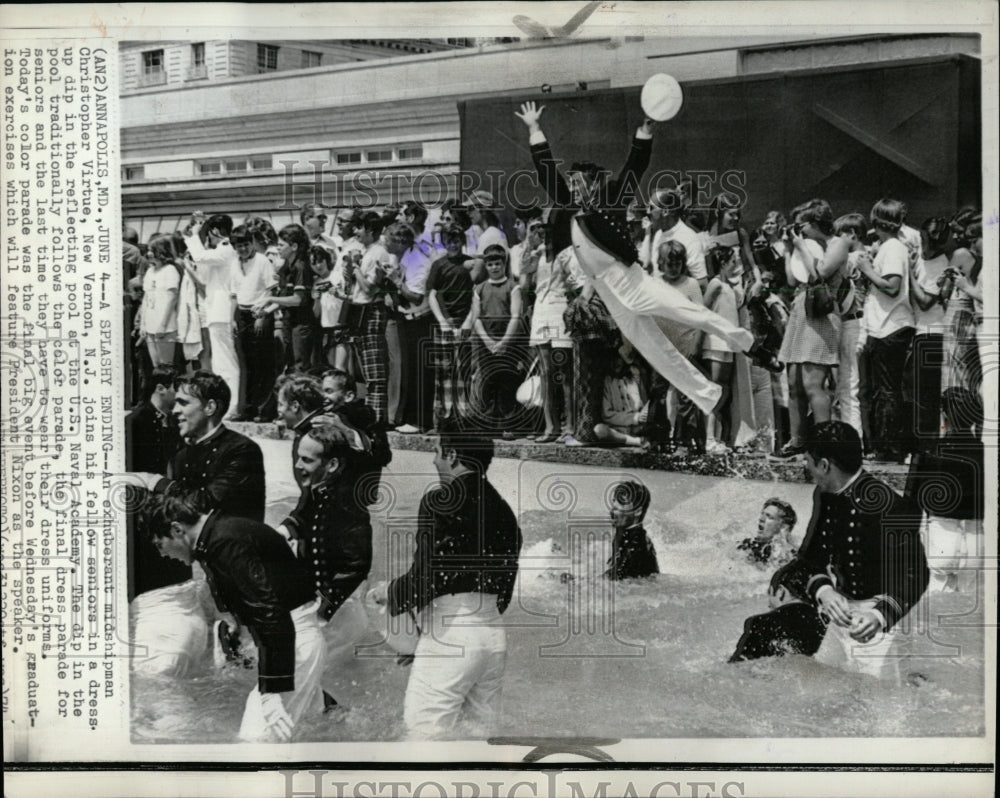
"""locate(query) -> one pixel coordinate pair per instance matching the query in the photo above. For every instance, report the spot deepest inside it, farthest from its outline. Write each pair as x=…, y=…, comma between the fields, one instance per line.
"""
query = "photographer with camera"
x=811, y=344
x=889, y=326
x=849, y=234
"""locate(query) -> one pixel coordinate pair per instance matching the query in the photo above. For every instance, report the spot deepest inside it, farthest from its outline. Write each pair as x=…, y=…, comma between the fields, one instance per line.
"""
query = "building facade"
x=260, y=127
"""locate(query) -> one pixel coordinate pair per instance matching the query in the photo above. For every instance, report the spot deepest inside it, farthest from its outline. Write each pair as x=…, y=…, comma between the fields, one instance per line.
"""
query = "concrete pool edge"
x=744, y=466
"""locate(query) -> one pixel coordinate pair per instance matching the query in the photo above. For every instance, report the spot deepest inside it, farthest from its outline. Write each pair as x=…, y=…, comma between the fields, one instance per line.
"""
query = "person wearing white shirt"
x=416, y=331
x=216, y=265
x=253, y=279
x=666, y=225
x=850, y=230
x=158, y=314
x=625, y=407
x=889, y=324
x=488, y=224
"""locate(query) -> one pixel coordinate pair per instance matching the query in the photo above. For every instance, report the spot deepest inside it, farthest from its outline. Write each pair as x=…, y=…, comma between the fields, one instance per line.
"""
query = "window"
x=412, y=152
x=311, y=59
x=152, y=62
x=135, y=172
x=378, y=156
x=267, y=58
x=153, y=73
x=198, y=69
x=239, y=165
x=344, y=158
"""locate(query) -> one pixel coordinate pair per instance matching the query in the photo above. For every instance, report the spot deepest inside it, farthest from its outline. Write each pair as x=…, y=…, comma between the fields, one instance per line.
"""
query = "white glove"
x=275, y=716
x=283, y=531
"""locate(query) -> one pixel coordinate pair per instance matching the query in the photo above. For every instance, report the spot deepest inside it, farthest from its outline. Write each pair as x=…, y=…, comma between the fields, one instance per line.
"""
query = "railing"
x=198, y=72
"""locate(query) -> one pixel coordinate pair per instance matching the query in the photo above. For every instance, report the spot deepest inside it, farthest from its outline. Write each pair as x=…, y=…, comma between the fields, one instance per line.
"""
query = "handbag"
x=819, y=300
x=529, y=392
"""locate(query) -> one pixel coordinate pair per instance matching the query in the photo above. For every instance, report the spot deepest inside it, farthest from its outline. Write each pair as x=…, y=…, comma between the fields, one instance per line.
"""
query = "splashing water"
x=643, y=658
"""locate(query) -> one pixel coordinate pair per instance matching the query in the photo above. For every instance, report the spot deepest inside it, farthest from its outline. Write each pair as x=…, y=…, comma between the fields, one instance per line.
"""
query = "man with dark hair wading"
x=632, y=552
x=331, y=524
x=461, y=581
x=223, y=466
x=254, y=575
x=861, y=563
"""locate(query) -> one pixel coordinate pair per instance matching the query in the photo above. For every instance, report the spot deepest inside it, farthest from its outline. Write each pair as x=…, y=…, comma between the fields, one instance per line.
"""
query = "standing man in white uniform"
x=218, y=267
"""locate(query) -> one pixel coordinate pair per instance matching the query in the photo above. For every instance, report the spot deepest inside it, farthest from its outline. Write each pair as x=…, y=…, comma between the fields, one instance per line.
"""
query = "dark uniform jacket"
x=604, y=219
x=154, y=439
x=254, y=575
x=227, y=469
x=865, y=543
x=335, y=538
x=632, y=554
x=153, y=443
x=468, y=541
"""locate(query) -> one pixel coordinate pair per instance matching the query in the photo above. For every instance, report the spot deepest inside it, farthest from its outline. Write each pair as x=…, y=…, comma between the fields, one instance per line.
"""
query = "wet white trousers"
x=636, y=300
x=457, y=672
x=170, y=630
x=307, y=697
x=874, y=658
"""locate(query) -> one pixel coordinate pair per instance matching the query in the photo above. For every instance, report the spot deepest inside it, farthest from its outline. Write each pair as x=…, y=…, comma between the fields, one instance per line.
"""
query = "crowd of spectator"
x=439, y=314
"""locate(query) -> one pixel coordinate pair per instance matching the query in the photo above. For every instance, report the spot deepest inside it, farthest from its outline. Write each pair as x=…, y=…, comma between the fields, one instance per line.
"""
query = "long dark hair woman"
x=725, y=229
x=294, y=297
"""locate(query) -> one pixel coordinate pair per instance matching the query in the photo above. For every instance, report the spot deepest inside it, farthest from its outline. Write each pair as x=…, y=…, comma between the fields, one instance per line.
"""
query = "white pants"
x=458, y=670
x=840, y=650
x=636, y=300
x=950, y=543
x=225, y=361
x=848, y=382
x=347, y=629
x=171, y=625
x=307, y=698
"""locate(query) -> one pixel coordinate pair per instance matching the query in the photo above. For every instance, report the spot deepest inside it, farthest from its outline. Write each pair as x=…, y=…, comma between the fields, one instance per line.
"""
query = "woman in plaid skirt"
x=371, y=282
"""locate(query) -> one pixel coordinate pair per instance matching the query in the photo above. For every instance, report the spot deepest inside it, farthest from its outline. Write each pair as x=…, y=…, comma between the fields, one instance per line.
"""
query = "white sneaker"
x=408, y=429
x=716, y=447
